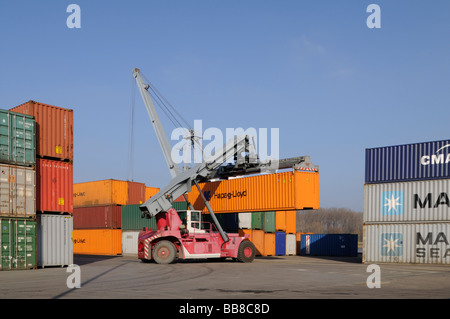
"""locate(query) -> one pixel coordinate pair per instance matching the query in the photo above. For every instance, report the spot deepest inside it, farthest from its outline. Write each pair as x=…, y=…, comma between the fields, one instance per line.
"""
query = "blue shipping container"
x=280, y=243
x=343, y=245
x=409, y=162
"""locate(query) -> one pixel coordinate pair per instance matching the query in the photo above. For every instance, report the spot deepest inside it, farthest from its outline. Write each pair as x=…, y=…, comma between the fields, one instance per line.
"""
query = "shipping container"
x=180, y=205
x=280, y=220
x=291, y=222
x=245, y=220
x=17, y=139
x=298, y=238
x=97, y=242
x=17, y=191
x=108, y=216
x=269, y=244
x=407, y=201
x=54, y=240
x=132, y=218
x=108, y=192
x=418, y=243
x=54, y=186
x=269, y=192
x=280, y=243
x=408, y=162
x=257, y=220
x=17, y=243
x=150, y=191
x=130, y=242
x=54, y=129
x=343, y=245
x=291, y=245
x=269, y=222
x=258, y=240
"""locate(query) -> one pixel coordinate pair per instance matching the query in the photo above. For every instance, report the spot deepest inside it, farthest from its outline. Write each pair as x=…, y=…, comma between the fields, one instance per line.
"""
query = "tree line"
x=330, y=221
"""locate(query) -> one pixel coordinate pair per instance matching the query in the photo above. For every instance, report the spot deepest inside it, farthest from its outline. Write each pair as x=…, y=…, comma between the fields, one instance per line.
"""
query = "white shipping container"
x=130, y=242
x=291, y=244
x=54, y=240
x=419, y=243
x=407, y=201
x=17, y=191
x=245, y=220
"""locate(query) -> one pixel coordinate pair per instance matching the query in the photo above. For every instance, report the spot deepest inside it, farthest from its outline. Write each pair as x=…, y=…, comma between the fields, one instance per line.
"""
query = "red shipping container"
x=109, y=216
x=136, y=193
x=54, y=186
x=54, y=129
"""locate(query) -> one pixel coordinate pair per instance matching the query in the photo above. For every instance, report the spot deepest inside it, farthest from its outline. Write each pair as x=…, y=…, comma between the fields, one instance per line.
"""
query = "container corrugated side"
x=17, y=191
x=245, y=220
x=257, y=220
x=407, y=201
x=17, y=138
x=130, y=242
x=418, y=243
x=17, y=244
x=269, y=222
x=54, y=129
x=106, y=192
x=108, y=216
x=54, y=191
x=97, y=242
x=408, y=162
x=136, y=193
x=291, y=222
x=344, y=245
x=280, y=243
x=291, y=245
x=257, y=239
x=280, y=220
x=150, y=191
x=269, y=192
x=269, y=244
x=54, y=240
x=132, y=218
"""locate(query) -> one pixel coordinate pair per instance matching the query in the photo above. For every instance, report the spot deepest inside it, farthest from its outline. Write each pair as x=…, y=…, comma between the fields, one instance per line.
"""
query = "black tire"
x=164, y=252
x=246, y=252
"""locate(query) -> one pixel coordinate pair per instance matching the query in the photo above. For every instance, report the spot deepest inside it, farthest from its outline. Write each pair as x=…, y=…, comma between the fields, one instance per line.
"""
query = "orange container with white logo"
x=97, y=241
x=270, y=192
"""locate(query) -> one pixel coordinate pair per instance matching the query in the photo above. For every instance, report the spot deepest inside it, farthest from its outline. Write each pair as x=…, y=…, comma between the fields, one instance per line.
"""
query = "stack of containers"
x=53, y=181
x=263, y=206
x=406, y=204
x=17, y=191
x=98, y=209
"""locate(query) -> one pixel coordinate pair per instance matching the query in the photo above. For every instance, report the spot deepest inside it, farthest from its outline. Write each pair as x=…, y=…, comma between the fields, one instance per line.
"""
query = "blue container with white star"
x=408, y=162
x=333, y=245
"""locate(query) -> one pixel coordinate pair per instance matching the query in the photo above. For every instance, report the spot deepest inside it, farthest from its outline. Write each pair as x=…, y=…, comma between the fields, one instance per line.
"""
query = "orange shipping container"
x=97, y=241
x=54, y=129
x=150, y=191
x=291, y=222
x=108, y=192
x=280, y=191
x=269, y=244
x=280, y=220
x=257, y=239
x=54, y=184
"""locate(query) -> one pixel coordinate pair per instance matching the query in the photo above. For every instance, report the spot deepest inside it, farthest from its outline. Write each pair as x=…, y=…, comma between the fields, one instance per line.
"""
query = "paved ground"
x=287, y=277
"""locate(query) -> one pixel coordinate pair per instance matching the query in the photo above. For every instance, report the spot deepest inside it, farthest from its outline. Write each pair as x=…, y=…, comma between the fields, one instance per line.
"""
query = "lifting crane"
x=174, y=240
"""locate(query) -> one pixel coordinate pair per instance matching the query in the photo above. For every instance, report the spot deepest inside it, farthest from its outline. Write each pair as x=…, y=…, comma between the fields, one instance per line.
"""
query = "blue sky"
x=313, y=69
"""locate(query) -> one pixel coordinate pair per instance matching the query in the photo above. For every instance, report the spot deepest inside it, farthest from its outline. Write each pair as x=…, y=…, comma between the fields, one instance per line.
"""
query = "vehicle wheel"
x=164, y=252
x=246, y=252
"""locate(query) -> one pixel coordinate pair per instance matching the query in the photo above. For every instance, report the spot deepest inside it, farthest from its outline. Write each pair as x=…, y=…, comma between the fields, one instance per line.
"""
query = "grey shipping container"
x=54, y=240
x=409, y=162
x=17, y=191
x=17, y=138
x=407, y=201
x=420, y=243
x=340, y=245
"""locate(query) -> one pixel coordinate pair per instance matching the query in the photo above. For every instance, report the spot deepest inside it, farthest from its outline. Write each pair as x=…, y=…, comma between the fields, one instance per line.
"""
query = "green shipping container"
x=18, y=243
x=269, y=222
x=132, y=216
x=17, y=138
x=258, y=220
